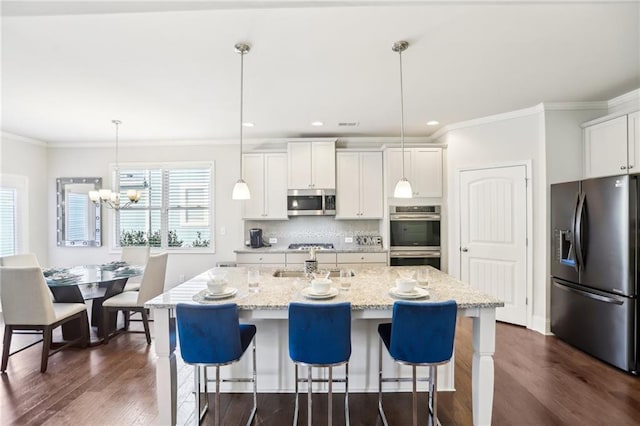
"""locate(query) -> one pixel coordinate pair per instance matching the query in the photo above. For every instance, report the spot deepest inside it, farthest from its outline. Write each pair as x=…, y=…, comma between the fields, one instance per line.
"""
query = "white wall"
x=94, y=162
x=24, y=157
x=518, y=137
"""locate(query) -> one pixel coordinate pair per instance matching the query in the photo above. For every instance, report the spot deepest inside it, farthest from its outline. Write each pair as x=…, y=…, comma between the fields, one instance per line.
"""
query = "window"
x=175, y=208
x=13, y=215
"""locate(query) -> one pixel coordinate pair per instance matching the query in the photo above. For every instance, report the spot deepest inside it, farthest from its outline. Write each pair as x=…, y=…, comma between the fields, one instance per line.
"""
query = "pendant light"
x=110, y=198
x=403, y=187
x=241, y=189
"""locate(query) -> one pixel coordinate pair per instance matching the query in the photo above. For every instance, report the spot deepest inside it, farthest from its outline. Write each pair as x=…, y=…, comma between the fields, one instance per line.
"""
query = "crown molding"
x=575, y=106
x=23, y=139
x=623, y=99
x=489, y=119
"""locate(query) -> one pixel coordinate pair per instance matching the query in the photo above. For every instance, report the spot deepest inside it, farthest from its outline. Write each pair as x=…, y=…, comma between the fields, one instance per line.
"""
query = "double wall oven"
x=414, y=235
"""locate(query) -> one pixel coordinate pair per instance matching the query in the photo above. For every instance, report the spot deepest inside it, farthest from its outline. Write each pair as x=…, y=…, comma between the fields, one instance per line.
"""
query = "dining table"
x=371, y=292
x=95, y=283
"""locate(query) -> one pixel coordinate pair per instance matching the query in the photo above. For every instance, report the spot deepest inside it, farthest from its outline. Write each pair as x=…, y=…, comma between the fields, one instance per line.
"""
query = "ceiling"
x=168, y=70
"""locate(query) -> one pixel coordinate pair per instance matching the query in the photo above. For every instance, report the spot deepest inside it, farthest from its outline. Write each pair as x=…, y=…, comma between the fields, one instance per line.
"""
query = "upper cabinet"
x=423, y=169
x=266, y=175
x=359, y=194
x=312, y=165
x=612, y=147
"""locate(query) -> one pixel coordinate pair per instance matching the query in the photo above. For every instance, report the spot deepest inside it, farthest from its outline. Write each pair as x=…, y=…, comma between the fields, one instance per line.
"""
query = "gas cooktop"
x=309, y=246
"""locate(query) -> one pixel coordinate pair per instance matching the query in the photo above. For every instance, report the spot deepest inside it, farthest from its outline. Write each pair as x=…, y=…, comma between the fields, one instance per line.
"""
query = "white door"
x=427, y=172
x=606, y=148
x=299, y=165
x=493, y=236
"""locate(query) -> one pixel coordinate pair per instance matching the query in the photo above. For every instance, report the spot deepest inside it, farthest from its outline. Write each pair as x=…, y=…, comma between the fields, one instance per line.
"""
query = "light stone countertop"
x=369, y=290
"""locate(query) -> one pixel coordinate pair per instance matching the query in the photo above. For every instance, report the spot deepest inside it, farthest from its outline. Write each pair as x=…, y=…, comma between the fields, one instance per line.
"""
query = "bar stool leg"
x=330, y=398
x=255, y=385
x=309, y=408
x=217, y=397
x=380, y=409
x=295, y=407
x=433, y=396
x=415, y=398
x=346, y=394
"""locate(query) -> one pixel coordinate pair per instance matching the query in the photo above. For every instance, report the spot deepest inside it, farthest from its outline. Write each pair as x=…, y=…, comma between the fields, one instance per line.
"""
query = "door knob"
x=622, y=167
x=464, y=249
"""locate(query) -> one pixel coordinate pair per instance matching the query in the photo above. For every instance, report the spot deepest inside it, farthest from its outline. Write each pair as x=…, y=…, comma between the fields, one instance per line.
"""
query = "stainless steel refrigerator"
x=594, y=268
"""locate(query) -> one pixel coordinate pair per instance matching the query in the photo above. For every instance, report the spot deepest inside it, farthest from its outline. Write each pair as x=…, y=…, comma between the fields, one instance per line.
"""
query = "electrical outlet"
x=348, y=239
x=223, y=230
x=273, y=241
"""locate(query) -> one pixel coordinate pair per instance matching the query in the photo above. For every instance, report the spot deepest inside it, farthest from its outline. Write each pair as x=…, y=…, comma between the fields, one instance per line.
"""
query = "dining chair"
x=212, y=336
x=26, y=259
x=419, y=334
x=134, y=255
x=320, y=336
x=27, y=306
x=133, y=301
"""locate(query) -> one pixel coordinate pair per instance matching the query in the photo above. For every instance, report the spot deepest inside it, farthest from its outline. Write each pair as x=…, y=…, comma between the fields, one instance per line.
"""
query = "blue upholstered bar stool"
x=420, y=334
x=320, y=336
x=211, y=336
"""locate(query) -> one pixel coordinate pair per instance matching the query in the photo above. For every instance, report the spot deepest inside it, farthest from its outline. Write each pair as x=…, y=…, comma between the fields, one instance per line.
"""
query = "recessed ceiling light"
x=247, y=124
x=432, y=123
x=317, y=123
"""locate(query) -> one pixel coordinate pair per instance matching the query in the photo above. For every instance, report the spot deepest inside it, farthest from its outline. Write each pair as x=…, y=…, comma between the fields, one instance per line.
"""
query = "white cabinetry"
x=312, y=165
x=359, y=193
x=612, y=147
x=266, y=175
x=423, y=169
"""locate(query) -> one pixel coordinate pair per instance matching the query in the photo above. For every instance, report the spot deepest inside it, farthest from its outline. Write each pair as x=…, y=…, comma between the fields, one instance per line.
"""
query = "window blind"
x=8, y=233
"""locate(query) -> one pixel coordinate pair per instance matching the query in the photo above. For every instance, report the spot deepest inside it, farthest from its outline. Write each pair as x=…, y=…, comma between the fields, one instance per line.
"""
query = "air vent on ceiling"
x=348, y=124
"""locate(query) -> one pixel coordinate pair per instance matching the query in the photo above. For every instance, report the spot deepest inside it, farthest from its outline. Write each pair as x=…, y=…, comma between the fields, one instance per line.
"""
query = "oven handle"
x=414, y=217
x=429, y=254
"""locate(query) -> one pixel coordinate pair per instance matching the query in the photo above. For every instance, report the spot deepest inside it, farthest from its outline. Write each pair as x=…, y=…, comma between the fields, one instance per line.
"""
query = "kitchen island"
x=371, y=304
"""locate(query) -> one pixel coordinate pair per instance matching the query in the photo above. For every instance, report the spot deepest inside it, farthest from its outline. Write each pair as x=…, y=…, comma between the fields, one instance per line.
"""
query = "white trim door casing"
x=493, y=236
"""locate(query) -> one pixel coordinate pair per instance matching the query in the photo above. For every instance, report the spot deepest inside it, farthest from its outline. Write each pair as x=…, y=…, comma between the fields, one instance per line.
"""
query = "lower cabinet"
x=353, y=260
x=325, y=260
x=260, y=259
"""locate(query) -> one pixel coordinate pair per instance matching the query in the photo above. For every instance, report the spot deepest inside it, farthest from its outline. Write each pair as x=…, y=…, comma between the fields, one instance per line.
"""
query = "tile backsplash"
x=314, y=229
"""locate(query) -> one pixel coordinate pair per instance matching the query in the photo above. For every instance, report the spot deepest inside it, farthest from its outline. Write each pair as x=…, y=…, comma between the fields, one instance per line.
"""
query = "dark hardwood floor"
x=539, y=380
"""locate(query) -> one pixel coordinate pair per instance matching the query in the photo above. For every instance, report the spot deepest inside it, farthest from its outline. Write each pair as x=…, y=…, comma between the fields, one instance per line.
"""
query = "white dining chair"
x=134, y=255
x=133, y=301
x=27, y=306
x=26, y=259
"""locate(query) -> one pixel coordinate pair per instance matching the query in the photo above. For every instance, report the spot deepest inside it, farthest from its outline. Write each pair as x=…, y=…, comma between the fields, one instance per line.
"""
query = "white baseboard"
x=541, y=324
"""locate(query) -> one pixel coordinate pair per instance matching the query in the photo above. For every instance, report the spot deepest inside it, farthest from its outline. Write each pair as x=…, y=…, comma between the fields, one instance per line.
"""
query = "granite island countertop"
x=369, y=290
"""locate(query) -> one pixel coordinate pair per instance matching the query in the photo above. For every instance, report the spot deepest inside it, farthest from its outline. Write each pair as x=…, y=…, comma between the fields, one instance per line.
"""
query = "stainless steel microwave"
x=311, y=202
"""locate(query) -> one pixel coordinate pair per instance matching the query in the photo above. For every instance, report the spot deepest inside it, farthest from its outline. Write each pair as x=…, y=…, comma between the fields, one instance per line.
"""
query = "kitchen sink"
x=333, y=273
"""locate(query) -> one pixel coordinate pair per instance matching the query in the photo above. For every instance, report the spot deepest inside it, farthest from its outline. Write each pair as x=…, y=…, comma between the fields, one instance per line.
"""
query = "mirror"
x=78, y=218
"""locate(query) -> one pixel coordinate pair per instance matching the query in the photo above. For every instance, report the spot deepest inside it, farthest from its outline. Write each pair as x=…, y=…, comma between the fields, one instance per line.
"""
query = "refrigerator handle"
x=588, y=294
x=578, y=231
x=574, y=240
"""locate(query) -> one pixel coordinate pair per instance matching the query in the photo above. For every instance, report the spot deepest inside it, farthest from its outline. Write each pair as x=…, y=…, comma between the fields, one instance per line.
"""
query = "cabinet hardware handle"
x=464, y=249
x=631, y=166
x=622, y=167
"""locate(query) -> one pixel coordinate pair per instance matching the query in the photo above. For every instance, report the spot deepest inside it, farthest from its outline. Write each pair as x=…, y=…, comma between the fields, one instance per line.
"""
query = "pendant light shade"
x=241, y=189
x=403, y=187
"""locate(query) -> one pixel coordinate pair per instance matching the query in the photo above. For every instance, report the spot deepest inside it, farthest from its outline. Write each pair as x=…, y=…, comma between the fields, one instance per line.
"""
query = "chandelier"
x=110, y=198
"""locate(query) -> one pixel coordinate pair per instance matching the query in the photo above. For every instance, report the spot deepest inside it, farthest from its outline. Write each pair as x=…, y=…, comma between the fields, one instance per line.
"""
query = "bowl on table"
x=321, y=285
